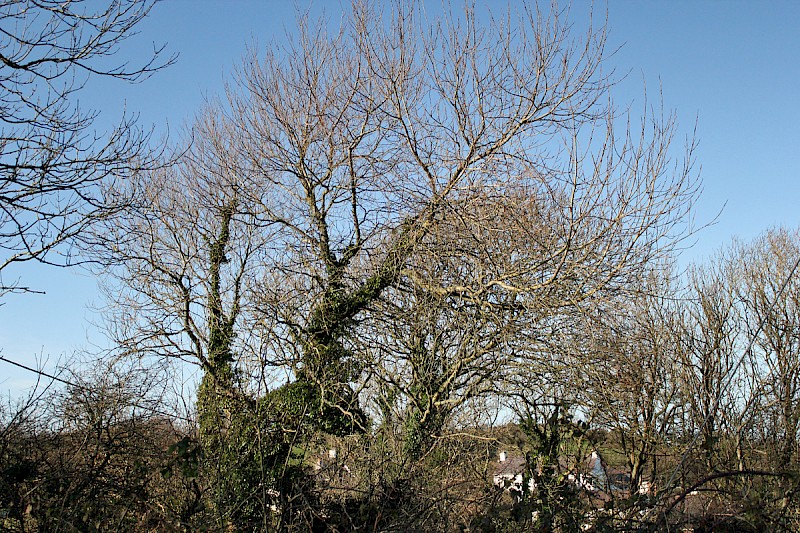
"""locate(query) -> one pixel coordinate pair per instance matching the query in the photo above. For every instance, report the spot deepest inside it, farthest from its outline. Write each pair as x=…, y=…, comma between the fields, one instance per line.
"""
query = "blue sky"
x=728, y=67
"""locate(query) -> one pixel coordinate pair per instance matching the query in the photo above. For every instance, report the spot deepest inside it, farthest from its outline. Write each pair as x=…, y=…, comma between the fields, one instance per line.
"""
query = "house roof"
x=511, y=466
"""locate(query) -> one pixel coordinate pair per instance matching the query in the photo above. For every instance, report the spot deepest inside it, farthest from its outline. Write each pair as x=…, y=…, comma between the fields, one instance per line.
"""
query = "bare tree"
x=181, y=256
x=181, y=260
x=710, y=341
x=633, y=389
x=51, y=159
x=432, y=356
x=398, y=204
x=770, y=295
x=376, y=140
x=736, y=341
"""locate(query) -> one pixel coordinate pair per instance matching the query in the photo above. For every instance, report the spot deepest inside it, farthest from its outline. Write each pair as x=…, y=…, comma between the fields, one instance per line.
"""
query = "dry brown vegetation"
x=418, y=245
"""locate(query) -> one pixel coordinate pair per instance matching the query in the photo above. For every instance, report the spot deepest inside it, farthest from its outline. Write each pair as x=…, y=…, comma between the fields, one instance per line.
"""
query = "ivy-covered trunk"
x=216, y=388
x=240, y=451
x=327, y=364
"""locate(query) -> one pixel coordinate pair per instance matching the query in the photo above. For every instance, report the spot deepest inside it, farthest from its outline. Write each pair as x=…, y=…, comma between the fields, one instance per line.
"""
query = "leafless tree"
x=735, y=338
x=397, y=204
x=181, y=260
x=710, y=340
x=381, y=139
x=51, y=159
x=633, y=388
x=770, y=294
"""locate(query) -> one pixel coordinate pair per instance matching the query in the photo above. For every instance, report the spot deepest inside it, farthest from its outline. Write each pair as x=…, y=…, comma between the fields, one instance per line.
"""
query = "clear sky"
x=728, y=67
